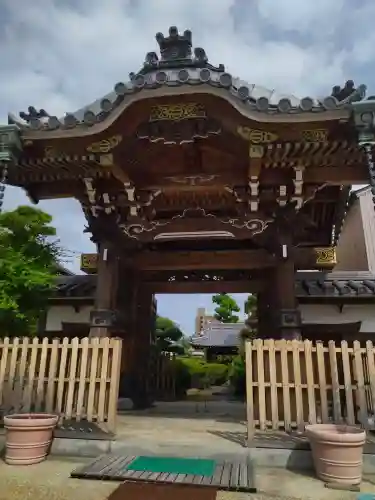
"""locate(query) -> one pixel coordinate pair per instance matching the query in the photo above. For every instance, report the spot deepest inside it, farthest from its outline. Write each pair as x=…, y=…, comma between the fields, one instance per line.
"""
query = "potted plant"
x=28, y=435
x=337, y=452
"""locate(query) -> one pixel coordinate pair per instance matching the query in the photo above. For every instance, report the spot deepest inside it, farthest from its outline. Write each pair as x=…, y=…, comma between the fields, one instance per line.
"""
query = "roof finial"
x=175, y=46
x=176, y=52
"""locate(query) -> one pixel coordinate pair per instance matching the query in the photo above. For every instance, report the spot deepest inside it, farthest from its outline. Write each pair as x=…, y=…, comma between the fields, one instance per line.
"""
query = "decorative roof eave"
x=179, y=72
x=346, y=287
x=82, y=130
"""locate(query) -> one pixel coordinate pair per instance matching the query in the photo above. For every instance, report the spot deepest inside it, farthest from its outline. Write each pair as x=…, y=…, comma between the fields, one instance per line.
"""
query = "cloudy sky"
x=63, y=54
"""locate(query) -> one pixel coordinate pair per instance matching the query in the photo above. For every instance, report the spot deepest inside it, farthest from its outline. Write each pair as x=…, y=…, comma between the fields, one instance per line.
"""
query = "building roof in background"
x=342, y=284
x=228, y=335
x=80, y=286
x=63, y=271
x=220, y=335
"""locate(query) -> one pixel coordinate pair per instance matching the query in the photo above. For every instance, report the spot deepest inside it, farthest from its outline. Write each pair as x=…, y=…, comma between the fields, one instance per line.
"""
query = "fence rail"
x=74, y=378
x=292, y=383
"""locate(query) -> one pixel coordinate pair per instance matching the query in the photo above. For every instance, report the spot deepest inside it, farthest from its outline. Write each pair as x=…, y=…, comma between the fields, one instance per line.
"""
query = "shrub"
x=203, y=373
x=182, y=377
x=237, y=376
x=217, y=373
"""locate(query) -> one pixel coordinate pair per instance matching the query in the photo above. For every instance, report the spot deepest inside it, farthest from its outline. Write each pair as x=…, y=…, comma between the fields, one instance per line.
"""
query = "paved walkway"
x=50, y=481
x=177, y=426
x=152, y=429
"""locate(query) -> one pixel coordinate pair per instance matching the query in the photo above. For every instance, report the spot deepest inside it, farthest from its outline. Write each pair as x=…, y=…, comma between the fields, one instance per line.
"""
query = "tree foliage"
x=226, y=306
x=251, y=305
x=169, y=337
x=28, y=264
x=249, y=331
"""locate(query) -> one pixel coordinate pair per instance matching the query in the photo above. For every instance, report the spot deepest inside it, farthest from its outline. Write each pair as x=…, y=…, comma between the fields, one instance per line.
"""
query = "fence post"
x=116, y=345
x=249, y=390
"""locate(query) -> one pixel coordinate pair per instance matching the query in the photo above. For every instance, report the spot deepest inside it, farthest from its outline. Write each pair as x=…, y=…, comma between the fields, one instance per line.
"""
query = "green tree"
x=251, y=305
x=249, y=330
x=169, y=337
x=28, y=265
x=226, y=306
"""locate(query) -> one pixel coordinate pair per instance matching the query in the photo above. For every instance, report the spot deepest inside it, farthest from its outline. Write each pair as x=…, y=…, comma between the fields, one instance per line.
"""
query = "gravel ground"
x=50, y=480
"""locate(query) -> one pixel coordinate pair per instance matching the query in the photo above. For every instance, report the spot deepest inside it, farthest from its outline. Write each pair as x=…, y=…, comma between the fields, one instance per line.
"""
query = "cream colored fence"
x=292, y=383
x=75, y=378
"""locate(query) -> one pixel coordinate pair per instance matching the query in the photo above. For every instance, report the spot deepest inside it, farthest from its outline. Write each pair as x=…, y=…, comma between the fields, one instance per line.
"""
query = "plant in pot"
x=28, y=435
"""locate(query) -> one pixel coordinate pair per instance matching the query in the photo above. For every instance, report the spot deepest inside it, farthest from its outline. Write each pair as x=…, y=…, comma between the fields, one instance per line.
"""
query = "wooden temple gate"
x=191, y=181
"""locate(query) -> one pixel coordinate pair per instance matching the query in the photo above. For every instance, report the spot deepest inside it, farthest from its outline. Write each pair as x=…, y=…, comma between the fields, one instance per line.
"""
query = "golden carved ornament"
x=105, y=145
x=106, y=160
x=325, y=256
x=192, y=180
x=256, y=136
x=315, y=135
x=256, y=151
x=89, y=262
x=176, y=112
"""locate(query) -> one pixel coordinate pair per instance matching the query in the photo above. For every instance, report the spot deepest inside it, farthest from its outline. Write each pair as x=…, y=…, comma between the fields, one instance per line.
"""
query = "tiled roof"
x=336, y=284
x=309, y=285
x=78, y=286
x=223, y=335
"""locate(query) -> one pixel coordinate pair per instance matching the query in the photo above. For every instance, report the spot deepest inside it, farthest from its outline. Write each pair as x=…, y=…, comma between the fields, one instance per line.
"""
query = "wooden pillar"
x=263, y=313
x=287, y=315
x=126, y=294
x=103, y=316
x=142, y=376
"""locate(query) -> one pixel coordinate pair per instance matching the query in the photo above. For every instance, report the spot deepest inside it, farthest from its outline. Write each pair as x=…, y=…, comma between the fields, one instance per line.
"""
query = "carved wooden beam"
x=305, y=258
x=252, y=286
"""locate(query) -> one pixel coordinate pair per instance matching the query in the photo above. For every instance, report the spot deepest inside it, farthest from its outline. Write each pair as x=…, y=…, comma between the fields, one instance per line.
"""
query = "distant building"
x=203, y=321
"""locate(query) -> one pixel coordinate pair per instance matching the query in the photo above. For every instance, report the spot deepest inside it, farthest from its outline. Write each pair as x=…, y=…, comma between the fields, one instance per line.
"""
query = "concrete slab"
x=90, y=448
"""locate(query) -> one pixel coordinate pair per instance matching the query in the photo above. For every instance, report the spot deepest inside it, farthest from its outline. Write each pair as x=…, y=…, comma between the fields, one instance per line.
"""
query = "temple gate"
x=192, y=180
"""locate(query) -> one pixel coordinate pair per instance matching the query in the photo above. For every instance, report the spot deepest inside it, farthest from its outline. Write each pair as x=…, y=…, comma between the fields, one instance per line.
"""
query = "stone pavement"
x=50, y=481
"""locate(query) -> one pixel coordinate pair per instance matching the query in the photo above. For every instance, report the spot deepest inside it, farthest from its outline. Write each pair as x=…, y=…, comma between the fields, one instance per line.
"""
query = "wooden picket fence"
x=293, y=383
x=74, y=378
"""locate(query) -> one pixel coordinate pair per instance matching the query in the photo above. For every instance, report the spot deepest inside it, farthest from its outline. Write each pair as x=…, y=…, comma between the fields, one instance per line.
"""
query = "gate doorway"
x=193, y=402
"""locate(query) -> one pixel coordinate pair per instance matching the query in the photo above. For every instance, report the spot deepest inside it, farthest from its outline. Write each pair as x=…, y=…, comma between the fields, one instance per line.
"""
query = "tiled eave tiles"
x=320, y=285
x=57, y=168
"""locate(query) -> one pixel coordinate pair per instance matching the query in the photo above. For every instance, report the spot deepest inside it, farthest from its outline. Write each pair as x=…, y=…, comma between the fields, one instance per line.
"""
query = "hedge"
x=203, y=373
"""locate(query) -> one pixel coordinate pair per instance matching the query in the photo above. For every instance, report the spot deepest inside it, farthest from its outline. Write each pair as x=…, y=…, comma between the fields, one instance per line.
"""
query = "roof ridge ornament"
x=175, y=46
x=349, y=93
x=33, y=114
x=176, y=52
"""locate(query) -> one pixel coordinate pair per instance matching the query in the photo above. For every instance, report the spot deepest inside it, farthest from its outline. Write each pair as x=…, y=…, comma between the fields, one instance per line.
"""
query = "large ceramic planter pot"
x=28, y=437
x=337, y=452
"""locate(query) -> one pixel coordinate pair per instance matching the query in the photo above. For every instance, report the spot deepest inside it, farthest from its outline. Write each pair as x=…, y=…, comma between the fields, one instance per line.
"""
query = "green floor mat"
x=173, y=465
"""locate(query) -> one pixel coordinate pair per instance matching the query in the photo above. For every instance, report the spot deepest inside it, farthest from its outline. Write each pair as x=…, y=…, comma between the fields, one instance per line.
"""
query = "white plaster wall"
x=351, y=248
x=311, y=313
x=368, y=218
x=330, y=314
x=57, y=315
